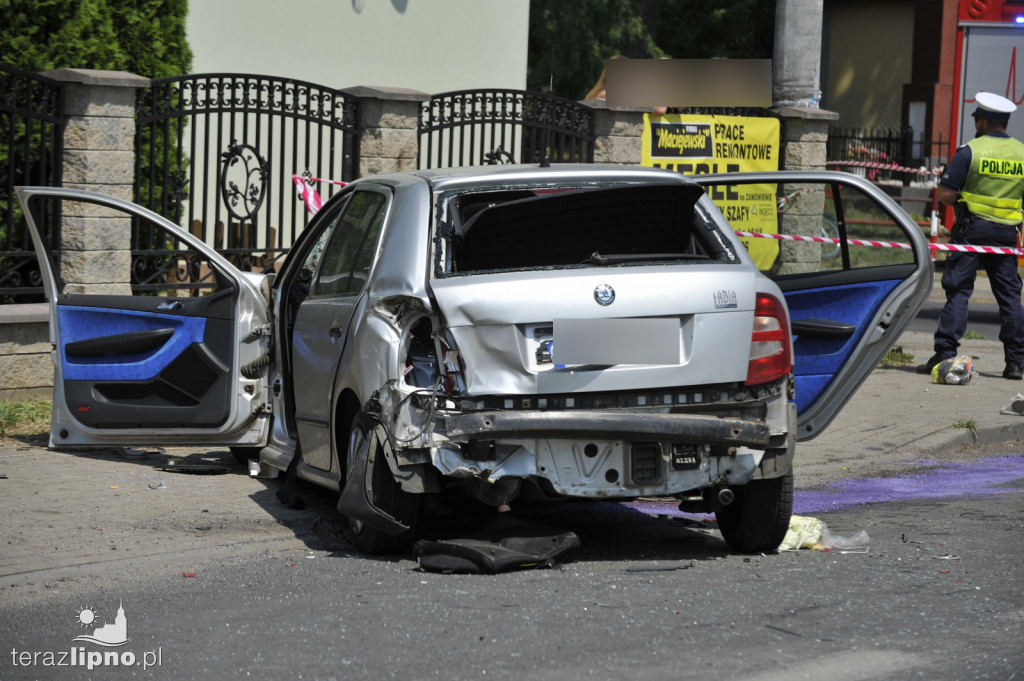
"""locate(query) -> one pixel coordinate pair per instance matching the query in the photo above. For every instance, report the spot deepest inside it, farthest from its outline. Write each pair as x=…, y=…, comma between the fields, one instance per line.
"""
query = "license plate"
x=686, y=457
x=652, y=341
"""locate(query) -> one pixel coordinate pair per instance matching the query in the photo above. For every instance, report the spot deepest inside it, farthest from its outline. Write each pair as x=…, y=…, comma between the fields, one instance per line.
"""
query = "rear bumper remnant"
x=693, y=428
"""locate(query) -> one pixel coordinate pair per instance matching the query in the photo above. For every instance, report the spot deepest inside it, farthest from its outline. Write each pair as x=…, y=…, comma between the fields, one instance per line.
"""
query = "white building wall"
x=428, y=45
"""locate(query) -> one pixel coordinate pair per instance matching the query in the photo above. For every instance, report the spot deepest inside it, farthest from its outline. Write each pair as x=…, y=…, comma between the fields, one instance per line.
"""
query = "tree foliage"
x=145, y=37
x=570, y=41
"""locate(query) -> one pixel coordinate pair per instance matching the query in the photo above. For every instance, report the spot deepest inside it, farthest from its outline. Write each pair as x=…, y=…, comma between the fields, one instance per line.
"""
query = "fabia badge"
x=724, y=299
x=604, y=294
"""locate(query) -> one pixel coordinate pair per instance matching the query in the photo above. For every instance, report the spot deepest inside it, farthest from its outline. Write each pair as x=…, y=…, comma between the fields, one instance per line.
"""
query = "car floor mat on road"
x=506, y=544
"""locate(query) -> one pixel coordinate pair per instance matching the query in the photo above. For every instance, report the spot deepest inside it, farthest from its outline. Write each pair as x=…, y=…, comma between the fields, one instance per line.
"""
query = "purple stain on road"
x=932, y=480
x=998, y=475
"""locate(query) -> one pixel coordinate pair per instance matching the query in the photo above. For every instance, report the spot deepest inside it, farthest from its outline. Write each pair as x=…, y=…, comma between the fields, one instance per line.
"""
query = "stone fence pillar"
x=389, y=118
x=619, y=131
x=99, y=154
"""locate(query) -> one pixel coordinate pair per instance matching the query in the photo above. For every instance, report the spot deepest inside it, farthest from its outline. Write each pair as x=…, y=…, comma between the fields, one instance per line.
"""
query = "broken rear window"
x=542, y=229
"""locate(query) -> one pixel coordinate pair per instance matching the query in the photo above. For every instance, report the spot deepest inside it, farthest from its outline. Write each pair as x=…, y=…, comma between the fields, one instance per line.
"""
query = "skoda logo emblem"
x=604, y=294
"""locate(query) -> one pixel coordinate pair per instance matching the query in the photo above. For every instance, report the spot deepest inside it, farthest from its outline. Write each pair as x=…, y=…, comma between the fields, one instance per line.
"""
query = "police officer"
x=984, y=182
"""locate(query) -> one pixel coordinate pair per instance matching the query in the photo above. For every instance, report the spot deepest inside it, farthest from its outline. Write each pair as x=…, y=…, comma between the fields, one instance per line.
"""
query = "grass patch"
x=973, y=335
x=897, y=358
x=27, y=418
x=968, y=424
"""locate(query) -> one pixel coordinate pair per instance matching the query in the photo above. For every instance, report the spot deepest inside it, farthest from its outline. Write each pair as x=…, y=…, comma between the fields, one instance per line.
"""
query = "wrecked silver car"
x=514, y=332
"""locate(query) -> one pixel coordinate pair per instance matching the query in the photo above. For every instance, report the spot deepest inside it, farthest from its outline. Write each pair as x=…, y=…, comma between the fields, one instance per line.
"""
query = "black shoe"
x=1013, y=371
x=927, y=367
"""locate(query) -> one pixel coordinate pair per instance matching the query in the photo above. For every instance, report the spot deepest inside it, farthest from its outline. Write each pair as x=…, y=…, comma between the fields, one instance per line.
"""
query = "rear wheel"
x=758, y=519
x=388, y=496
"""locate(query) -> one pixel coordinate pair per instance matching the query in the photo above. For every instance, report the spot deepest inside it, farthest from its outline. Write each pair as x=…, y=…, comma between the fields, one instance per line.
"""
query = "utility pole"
x=796, y=66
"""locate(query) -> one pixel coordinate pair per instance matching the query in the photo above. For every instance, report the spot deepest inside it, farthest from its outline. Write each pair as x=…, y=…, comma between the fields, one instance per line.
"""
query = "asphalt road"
x=938, y=593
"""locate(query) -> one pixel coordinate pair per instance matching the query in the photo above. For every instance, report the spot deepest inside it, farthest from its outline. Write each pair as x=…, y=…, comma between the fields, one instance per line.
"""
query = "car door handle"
x=171, y=306
x=822, y=328
x=131, y=343
x=335, y=332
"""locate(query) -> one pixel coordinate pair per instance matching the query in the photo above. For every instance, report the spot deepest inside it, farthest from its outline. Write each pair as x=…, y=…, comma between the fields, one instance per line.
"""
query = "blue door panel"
x=817, y=360
x=84, y=323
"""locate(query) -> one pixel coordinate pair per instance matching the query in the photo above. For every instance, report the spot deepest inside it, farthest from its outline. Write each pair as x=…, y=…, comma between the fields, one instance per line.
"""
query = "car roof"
x=442, y=179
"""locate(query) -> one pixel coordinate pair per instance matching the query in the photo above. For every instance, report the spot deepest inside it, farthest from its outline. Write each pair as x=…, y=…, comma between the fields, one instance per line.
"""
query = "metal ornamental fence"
x=31, y=149
x=488, y=127
x=866, y=151
x=216, y=154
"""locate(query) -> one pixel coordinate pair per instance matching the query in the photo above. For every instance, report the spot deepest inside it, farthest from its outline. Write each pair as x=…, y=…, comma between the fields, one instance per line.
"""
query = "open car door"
x=850, y=293
x=143, y=367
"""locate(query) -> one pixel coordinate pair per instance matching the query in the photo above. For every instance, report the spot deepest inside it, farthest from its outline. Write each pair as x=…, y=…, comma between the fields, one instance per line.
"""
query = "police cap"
x=991, y=105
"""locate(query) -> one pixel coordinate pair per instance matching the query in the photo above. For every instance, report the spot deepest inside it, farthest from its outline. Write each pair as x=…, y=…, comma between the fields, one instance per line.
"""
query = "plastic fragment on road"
x=812, y=533
x=162, y=485
x=954, y=371
x=193, y=468
x=506, y=544
x=261, y=470
x=803, y=533
x=1015, y=407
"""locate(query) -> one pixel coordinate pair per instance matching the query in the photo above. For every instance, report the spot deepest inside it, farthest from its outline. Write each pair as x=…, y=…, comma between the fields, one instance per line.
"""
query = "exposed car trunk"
x=574, y=289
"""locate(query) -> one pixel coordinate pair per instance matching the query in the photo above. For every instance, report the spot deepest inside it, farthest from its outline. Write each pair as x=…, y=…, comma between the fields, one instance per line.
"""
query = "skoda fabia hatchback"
x=507, y=333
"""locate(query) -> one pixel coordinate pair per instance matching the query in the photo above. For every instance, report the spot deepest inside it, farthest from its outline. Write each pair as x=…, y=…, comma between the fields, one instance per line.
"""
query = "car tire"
x=388, y=496
x=758, y=519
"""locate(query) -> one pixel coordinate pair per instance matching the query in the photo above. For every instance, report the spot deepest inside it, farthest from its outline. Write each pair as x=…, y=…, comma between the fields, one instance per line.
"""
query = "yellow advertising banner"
x=698, y=145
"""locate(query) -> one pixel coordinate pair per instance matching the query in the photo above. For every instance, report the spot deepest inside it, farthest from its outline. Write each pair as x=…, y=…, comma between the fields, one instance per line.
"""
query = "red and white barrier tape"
x=959, y=248
x=886, y=166
x=309, y=195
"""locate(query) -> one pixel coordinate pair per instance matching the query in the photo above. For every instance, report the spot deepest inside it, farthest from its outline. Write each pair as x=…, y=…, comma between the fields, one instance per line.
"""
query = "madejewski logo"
x=113, y=635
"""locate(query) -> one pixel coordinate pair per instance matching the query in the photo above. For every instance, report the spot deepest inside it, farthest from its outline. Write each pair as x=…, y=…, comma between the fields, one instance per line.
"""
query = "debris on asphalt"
x=162, y=485
x=173, y=466
x=1015, y=407
x=658, y=568
x=954, y=371
x=261, y=470
x=803, y=533
x=188, y=574
x=506, y=544
x=330, y=533
x=812, y=533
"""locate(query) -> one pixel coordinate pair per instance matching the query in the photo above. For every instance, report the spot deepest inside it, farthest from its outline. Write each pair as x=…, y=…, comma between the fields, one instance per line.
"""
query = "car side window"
x=316, y=253
x=349, y=253
x=813, y=227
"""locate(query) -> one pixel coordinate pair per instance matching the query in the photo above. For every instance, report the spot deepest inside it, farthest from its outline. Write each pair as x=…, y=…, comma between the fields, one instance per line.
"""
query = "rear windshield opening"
x=521, y=229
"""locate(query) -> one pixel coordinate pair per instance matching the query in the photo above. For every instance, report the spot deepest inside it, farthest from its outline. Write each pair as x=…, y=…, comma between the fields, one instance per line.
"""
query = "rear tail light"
x=770, y=344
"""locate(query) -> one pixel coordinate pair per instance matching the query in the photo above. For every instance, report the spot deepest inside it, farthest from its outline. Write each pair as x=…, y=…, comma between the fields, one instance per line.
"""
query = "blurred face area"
x=981, y=126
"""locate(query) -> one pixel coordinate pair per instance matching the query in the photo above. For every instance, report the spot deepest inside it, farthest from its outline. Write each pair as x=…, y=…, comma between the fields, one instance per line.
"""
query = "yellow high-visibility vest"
x=995, y=182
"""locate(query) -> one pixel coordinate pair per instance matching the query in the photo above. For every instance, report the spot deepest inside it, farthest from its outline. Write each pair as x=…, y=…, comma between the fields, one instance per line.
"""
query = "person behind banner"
x=984, y=183
x=600, y=89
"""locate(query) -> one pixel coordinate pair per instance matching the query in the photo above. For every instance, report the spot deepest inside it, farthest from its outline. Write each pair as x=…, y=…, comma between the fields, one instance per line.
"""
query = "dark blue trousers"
x=958, y=283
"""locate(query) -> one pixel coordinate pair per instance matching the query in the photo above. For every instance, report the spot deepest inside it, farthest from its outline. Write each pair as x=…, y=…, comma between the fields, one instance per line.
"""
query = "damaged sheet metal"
x=357, y=500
